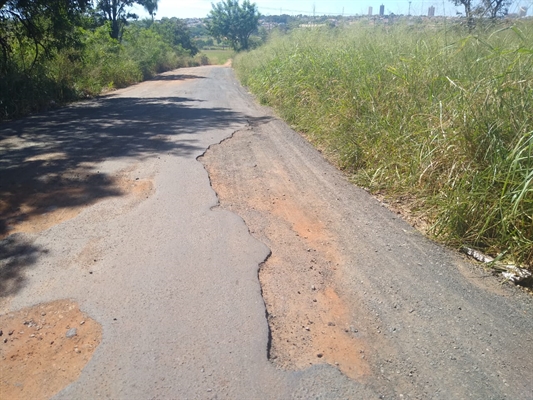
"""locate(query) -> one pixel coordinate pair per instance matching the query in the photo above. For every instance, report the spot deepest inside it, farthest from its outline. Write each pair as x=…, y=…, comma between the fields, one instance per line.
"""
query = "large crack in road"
x=309, y=322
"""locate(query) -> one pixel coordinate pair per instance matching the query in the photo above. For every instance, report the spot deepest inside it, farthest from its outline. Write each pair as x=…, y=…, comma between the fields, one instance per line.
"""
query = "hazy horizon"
x=201, y=8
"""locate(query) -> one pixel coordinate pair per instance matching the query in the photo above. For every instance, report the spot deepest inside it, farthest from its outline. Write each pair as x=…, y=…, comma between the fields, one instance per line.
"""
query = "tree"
x=45, y=24
x=199, y=30
x=176, y=33
x=469, y=12
x=151, y=7
x=116, y=11
x=496, y=8
x=229, y=20
x=490, y=8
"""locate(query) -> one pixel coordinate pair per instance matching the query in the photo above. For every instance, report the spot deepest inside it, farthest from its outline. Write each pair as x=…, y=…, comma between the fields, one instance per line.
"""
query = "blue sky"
x=200, y=8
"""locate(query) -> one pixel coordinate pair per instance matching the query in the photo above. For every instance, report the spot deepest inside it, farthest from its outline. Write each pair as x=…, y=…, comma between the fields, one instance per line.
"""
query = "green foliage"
x=202, y=44
x=101, y=63
x=23, y=92
x=477, y=11
x=116, y=12
x=229, y=20
x=149, y=50
x=43, y=25
x=58, y=51
x=175, y=32
x=106, y=64
x=495, y=8
x=199, y=30
x=423, y=115
x=151, y=7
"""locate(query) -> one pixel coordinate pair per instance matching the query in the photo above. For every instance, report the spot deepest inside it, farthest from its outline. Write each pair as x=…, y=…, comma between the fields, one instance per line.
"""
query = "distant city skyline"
x=201, y=8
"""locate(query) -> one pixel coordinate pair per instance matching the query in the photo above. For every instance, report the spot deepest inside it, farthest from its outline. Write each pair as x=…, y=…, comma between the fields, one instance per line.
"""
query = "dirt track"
x=321, y=292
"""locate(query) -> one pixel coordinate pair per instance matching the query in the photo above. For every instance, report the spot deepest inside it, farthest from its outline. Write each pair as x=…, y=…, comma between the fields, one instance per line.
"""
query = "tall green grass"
x=427, y=115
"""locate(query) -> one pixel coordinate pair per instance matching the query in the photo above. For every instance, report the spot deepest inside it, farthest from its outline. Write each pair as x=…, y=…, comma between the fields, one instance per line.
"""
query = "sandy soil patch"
x=309, y=320
x=44, y=348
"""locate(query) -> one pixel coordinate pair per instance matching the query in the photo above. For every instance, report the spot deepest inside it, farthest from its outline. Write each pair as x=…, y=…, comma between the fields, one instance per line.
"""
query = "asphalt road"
x=173, y=279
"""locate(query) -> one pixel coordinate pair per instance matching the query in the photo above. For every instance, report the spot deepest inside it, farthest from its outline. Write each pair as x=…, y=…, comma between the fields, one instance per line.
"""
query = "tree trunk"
x=115, y=26
x=115, y=29
x=470, y=23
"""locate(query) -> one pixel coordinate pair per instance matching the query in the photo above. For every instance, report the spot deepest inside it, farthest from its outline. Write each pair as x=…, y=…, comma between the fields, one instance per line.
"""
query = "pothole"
x=309, y=322
x=44, y=348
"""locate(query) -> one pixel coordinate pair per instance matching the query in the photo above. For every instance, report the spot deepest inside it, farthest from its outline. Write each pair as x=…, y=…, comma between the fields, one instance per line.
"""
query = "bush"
x=149, y=51
x=101, y=63
x=105, y=64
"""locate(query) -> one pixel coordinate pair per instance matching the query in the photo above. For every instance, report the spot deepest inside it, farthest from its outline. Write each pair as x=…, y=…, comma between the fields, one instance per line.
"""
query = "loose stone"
x=71, y=333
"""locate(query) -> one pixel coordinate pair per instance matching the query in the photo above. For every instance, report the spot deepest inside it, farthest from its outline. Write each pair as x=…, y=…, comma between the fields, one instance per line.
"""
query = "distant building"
x=369, y=11
x=431, y=11
x=381, y=10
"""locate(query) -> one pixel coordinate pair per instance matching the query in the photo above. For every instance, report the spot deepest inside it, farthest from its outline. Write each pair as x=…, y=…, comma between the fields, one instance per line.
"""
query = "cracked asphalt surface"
x=173, y=278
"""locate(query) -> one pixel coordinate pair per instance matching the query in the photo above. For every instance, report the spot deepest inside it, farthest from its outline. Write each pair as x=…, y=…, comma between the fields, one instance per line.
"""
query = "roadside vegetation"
x=53, y=52
x=57, y=51
x=435, y=118
x=219, y=56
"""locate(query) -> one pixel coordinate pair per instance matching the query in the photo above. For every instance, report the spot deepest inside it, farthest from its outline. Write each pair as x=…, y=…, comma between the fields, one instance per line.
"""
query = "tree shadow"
x=175, y=77
x=48, y=161
x=16, y=254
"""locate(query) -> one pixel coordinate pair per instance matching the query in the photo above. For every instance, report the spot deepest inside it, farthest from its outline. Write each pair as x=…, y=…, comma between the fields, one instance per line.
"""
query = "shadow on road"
x=176, y=77
x=47, y=161
x=16, y=254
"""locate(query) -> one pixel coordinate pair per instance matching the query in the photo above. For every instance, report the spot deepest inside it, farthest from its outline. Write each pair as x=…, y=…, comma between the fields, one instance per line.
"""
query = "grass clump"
x=427, y=115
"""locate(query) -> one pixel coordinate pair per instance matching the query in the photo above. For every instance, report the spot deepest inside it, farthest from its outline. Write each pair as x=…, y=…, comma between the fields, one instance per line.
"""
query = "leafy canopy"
x=483, y=8
x=116, y=11
x=151, y=7
x=234, y=22
x=176, y=33
x=46, y=24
